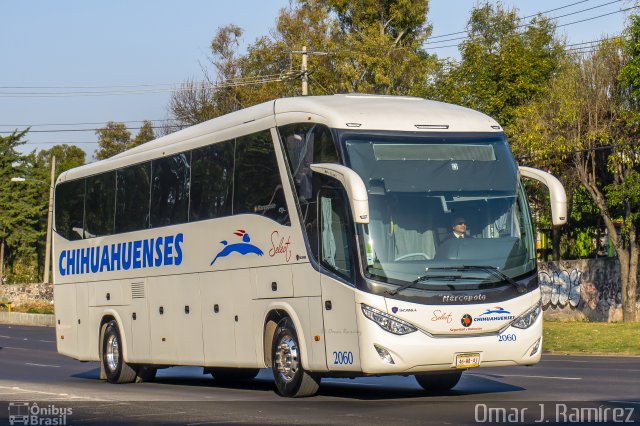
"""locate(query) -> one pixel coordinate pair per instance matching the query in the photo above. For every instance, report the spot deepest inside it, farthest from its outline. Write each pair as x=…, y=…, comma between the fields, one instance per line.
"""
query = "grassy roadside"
x=592, y=338
x=33, y=308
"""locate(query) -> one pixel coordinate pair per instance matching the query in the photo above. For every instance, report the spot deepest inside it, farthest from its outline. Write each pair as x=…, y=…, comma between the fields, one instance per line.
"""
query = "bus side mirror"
x=350, y=180
x=556, y=190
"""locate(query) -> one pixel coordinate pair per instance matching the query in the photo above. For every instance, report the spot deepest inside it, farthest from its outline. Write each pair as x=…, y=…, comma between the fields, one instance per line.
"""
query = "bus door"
x=338, y=296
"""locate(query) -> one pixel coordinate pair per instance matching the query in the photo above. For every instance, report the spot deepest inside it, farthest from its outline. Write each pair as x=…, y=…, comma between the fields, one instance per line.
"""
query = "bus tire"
x=115, y=368
x=291, y=379
x=230, y=375
x=438, y=381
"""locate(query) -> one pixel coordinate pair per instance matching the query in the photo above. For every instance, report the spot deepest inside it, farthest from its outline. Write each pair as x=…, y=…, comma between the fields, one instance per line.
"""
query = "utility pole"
x=304, y=71
x=47, y=256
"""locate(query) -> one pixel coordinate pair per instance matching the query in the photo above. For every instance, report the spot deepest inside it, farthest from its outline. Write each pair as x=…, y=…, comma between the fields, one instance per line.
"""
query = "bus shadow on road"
x=396, y=387
x=364, y=388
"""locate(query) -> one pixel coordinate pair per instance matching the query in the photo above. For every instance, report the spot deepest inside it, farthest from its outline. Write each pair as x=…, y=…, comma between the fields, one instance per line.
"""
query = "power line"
x=527, y=25
x=524, y=17
x=243, y=81
x=87, y=130
x=76, y=124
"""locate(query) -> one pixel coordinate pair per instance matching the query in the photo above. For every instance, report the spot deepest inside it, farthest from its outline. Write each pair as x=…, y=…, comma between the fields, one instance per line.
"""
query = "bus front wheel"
x=438, y=381
x=291, y=379
x=116, y=370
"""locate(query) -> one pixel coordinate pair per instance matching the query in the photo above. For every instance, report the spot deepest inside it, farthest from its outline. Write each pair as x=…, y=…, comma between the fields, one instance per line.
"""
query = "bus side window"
x=170, y=189
x=133, y=189
x=211, y=181
x=307, y=143
x=69, y=209
x=335, y=250
x=100, y=204
x=257, y=186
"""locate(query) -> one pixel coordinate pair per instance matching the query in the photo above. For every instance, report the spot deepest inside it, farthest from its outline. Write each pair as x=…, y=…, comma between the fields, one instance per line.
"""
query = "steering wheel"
x=406, y=256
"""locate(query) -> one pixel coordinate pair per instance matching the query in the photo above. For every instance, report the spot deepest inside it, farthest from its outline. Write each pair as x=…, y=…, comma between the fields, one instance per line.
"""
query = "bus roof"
x=354, y=111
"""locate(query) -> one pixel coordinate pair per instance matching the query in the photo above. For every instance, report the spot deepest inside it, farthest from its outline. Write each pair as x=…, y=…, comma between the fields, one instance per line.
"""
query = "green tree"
x=585, y=120
x=505, y=62
x=145, y=134
x=21, y=206
x=113, y=139
x=368, y=47
x=67, y=157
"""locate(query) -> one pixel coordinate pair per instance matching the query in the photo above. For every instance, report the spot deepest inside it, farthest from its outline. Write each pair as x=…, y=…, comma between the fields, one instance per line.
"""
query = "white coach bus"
x=313, y=236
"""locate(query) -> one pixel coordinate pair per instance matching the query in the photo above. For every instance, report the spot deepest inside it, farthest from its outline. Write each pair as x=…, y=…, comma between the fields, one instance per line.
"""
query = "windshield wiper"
x=491, y=270
x=423, y=278
x=522, y=288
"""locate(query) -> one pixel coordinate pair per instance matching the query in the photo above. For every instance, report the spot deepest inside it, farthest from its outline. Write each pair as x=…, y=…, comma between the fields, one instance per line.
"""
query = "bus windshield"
x=439, y=206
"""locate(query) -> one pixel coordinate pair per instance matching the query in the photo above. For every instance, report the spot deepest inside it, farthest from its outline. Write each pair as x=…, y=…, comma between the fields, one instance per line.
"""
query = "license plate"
x=467, y=360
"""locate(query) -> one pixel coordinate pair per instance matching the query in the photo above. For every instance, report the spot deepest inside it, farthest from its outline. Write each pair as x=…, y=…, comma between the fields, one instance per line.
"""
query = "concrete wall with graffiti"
x=586, y=289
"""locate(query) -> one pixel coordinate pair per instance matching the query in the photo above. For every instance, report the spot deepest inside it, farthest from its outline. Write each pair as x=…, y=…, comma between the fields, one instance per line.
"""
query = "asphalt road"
x=48, y=388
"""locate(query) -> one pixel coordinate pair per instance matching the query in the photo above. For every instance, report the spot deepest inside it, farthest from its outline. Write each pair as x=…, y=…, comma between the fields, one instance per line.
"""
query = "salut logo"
x=26, y=413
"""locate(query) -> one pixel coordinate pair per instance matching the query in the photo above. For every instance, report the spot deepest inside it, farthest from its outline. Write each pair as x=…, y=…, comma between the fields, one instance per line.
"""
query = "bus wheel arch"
x=270, y=323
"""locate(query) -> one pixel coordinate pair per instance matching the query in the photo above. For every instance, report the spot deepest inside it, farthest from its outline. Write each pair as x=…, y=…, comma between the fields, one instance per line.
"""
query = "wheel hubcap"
x=287, y=358
x=113, y=353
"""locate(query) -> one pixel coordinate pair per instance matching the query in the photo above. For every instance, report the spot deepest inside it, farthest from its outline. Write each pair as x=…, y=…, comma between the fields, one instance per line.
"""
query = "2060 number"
x=507, y=338
x=341, y=358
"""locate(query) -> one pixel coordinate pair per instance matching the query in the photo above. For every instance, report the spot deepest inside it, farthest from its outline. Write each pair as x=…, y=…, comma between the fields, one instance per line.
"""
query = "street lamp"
x=47, y=255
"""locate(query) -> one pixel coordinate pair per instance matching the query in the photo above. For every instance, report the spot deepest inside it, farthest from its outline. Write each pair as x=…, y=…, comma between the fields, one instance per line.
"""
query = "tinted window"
x=335, y=251
x=132, y=198
x=170, y=190
x=69, y=205
x=258, y=188
x=100, y=204
x=211, y=181
x=307, y=143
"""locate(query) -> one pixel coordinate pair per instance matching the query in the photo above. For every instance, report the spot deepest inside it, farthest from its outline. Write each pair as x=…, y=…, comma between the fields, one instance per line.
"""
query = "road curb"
x=21, y=318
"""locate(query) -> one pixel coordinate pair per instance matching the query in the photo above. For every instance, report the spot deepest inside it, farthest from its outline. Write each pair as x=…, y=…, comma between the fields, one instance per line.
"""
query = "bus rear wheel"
x=438, y=381
x=291, y=379
x=116, y=370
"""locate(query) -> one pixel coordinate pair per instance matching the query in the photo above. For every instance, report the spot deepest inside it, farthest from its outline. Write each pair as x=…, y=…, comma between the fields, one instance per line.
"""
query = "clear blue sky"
x=79, y=45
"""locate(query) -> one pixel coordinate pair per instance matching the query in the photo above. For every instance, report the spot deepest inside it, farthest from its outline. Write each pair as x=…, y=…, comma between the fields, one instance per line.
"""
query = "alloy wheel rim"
x=287, y=361
x=113, y=352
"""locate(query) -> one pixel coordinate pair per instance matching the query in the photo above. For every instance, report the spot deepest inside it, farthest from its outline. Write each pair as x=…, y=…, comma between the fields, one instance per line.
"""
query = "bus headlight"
x=528, y=318
x=387, y=322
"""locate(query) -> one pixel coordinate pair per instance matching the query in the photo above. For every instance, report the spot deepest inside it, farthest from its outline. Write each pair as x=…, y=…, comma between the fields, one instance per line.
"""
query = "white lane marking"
x=566, y=360
x=16, y=388
x=6, y=337
x=42, y=365
x=216, y=423
x=48, y=341
x=17, y=349
x=530, y=377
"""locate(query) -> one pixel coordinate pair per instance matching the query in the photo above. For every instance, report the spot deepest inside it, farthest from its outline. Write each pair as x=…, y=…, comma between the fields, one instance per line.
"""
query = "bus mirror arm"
x=556, y=191
x=353, y=184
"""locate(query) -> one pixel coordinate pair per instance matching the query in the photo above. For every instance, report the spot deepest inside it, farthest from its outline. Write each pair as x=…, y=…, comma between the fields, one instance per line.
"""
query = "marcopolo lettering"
x=149, y=253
